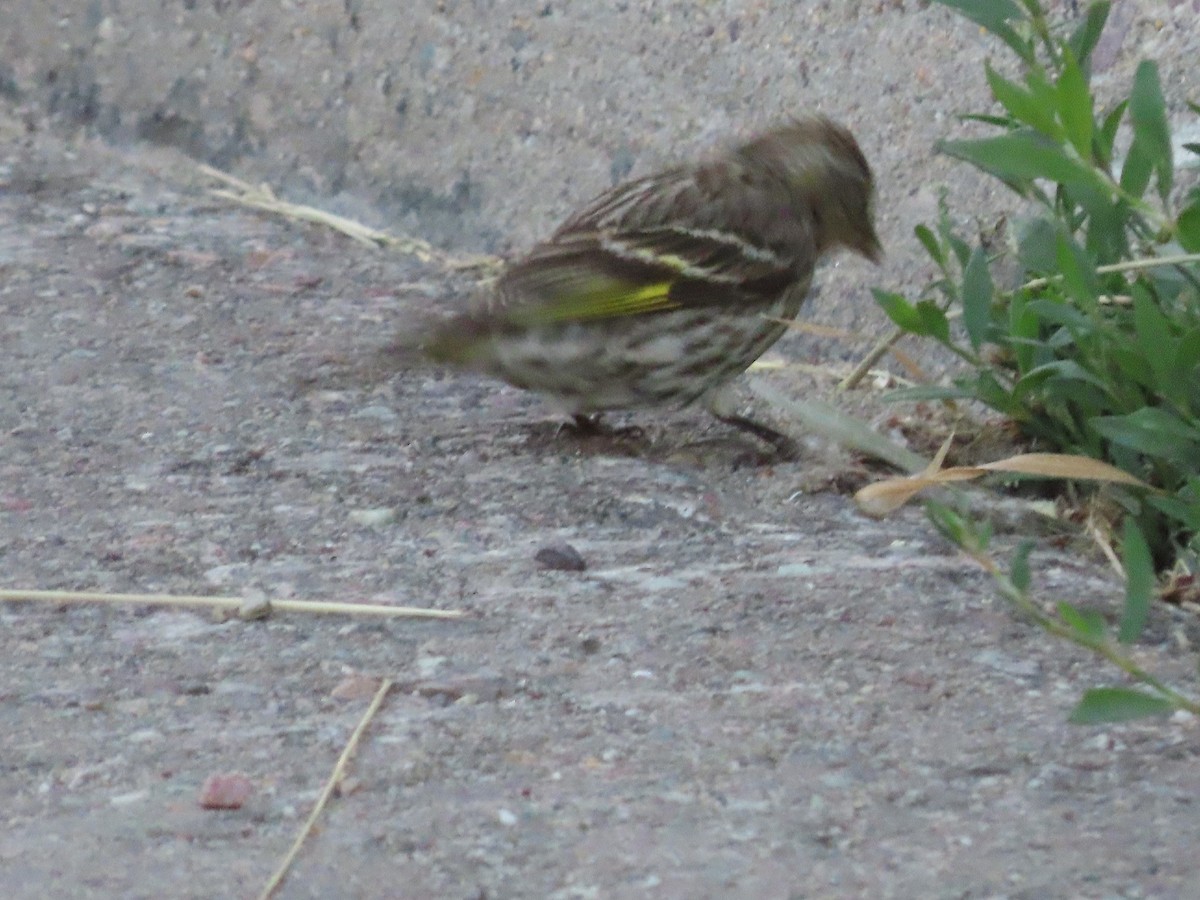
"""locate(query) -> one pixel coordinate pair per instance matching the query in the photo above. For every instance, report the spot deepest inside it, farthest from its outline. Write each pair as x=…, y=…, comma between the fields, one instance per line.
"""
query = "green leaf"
x=991, y=14
x=1187, y=227
x=1139, y=582
x=987, y=389
x=1057, y=312
x=899, y=310
x=1155, y=341
x=1139, y=166
x=949, y=523
x=1075, y=105
x=1023, y=328
x=1036, y=247
x=1018, y=573
x=1107, y=240
x=994, y=15
x=1030, y=384
x=1134, y=366
x=1148, y=110
x=931, y=245
x=1022, y=105
x=1153, y=432
x=1087, y=623
x=1021, y=157
x=1184, y=507
x=1187, y=364
x=1118, y=704
x=1087, y=35
x=998, y=121
x=977, y=293
x=1078, y=273
x=1045, y=90
x=933, y=321
x=1108, y=133
x=1068, y=370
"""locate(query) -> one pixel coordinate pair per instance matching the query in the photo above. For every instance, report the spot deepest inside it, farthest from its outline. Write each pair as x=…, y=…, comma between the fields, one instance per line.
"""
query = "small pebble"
x=373, y=518
x=254, y=608
x=356, y=687
x=562, y=557
x=227, y=791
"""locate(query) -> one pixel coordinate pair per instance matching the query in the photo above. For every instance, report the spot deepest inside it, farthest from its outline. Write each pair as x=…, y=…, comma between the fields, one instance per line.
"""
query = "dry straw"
x=331, y=784
x=246, y=607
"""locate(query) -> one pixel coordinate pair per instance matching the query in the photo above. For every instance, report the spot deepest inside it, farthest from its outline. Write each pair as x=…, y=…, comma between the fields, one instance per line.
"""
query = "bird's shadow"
x=669, y=445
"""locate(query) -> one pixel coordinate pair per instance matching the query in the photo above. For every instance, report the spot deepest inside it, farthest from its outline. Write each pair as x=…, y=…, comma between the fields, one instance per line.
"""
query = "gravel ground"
x=749, y=691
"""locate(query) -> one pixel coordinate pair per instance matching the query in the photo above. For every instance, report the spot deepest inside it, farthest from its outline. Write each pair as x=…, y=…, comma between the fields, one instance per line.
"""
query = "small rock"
x=348, y=785
x=128, y=799
x=377, y=412
x=562, y=557
x=226, y=791
x=356, y=687
x=254, y=608
x=1007, y=665
x=373, y=518
x=483, y=686
x=428, y=665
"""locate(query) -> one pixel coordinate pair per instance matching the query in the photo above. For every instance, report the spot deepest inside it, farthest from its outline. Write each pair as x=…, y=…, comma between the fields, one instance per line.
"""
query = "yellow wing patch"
x=602, y=299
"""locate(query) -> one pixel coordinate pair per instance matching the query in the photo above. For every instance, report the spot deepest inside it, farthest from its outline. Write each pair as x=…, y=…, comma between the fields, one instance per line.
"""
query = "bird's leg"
x=581, y=426
x=590, y=426
x=786, y=449
x=721, y=403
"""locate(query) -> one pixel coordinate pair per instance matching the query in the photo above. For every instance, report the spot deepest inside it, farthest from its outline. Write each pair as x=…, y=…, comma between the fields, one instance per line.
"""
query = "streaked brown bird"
x=662, y=290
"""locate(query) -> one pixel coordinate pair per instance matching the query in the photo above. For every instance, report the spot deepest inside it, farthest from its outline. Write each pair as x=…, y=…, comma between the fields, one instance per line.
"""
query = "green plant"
x=1084, y=627
x=1097, y=351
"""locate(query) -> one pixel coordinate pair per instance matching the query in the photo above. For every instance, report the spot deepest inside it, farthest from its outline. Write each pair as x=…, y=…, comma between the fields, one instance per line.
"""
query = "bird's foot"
x=586, y=426
x=594, y=426
x=592, y=435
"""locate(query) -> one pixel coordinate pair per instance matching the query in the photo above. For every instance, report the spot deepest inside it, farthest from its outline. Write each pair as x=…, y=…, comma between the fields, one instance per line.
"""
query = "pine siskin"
x=662, y=290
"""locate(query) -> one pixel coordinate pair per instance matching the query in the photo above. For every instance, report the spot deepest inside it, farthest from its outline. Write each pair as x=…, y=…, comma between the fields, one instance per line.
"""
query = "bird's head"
x=825, y=171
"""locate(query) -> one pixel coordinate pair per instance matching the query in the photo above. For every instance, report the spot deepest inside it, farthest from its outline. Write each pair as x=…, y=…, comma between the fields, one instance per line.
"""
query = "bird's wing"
x=648, y=246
